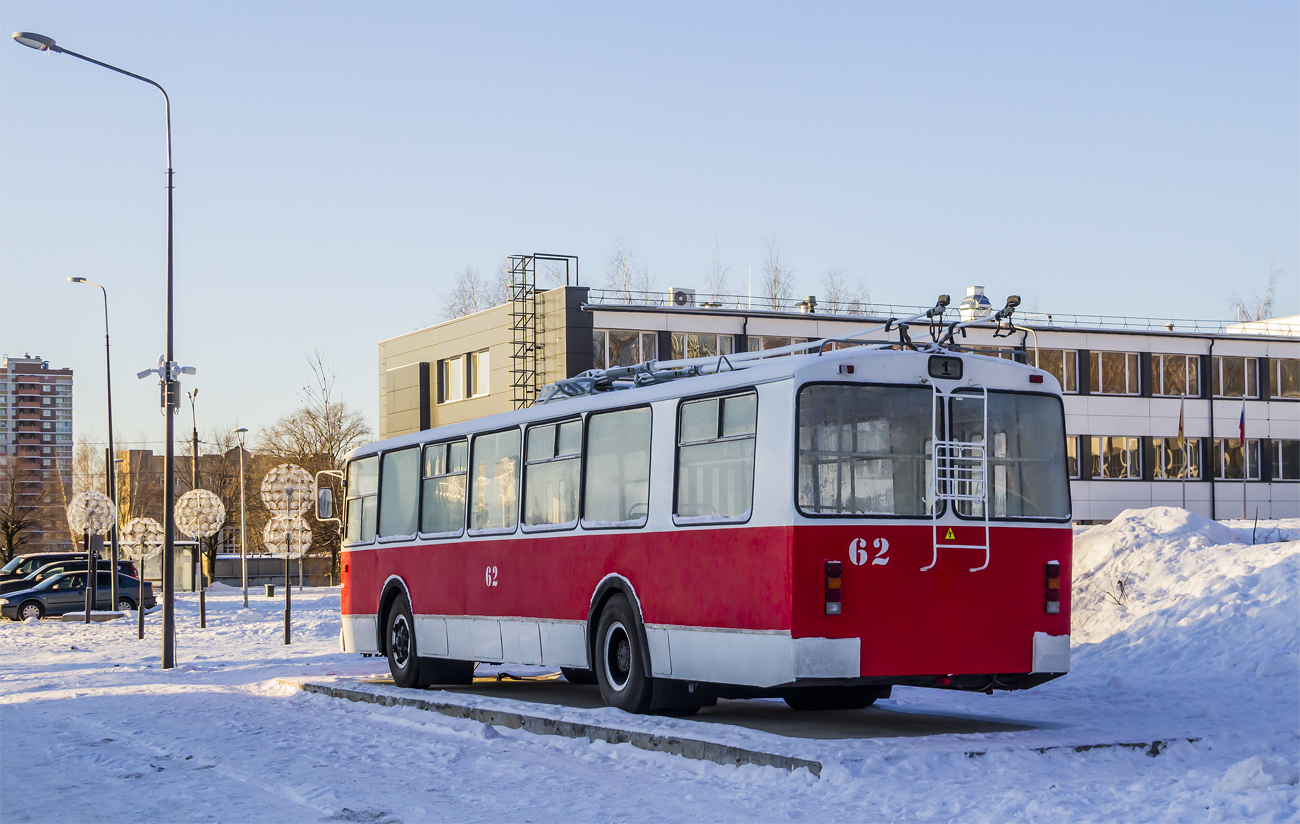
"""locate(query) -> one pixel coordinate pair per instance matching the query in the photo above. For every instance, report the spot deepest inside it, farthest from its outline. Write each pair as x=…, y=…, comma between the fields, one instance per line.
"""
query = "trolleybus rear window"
x=1026, y=453
x=864, y=450
x=443, y=515
x=616, y=490
x=551, y=474
x=715, y=459
x=363, y=499
x=494, y=495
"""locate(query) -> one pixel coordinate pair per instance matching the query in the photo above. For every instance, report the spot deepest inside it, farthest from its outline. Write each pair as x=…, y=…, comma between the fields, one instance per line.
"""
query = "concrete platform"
x=768, y=715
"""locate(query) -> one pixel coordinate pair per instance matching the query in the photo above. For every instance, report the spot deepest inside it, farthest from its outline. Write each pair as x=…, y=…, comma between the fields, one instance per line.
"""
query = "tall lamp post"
x=109, y=468
x=168, y=370
x=242, y=433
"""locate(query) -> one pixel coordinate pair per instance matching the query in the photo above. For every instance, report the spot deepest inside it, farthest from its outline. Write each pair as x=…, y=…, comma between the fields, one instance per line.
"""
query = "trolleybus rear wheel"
x=622, y=679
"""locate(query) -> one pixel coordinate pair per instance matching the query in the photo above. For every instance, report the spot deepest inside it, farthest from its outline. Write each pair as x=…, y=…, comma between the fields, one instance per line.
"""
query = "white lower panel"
x=564, y=643
x=661, y=660
x=359, y=633
x=1051, y=652
x=430, y=635
x=521, y=642
x=827, y=657
x=731, y=657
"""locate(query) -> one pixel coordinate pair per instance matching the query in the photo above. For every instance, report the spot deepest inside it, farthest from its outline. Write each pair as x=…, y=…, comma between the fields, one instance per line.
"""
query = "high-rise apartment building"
x=36, y=437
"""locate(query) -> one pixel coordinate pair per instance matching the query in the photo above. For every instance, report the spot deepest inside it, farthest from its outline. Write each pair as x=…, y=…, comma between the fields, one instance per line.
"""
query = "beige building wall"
x=401, y=396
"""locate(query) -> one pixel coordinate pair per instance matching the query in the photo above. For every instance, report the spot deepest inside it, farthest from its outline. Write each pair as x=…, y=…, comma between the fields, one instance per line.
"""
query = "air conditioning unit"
x=683, y=297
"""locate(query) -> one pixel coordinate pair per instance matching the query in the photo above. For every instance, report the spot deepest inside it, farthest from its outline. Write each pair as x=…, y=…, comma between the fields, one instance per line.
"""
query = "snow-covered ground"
x=1201, y=641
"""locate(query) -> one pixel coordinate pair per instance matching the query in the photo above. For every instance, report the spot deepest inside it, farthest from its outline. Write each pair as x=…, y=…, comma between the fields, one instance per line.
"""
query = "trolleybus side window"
x=616, y=487
x=715, y=458
x=864, y=450
x=363, y=499
x=399, y=503
x=494, y=489
x=443, y=514
x=1026, y=453
x=551, y=474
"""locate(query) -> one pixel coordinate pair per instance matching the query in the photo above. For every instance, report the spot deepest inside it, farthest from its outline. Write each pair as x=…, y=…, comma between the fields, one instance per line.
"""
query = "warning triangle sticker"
x=950, y=536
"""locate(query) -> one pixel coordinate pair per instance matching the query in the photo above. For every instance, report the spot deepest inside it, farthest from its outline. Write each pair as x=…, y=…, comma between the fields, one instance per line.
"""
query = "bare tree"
x=87, y=465
x=716, y=275
x=625, y=271
x=472, y=293
x=316, y=437
x=28, y=501
x=1259, y=308
x=776, y=280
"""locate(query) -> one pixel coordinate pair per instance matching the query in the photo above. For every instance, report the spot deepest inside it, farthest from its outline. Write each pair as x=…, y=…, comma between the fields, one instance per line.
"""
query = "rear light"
x=834, y=583
x=1035, y=378
x=1053, y=604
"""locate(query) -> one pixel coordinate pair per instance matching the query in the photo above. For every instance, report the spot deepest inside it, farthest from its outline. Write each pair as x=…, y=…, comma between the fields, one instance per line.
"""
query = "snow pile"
x=1255, y=773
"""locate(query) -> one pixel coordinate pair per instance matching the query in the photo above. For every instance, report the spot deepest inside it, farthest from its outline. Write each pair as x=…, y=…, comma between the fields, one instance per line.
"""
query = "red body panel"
x=947, y=620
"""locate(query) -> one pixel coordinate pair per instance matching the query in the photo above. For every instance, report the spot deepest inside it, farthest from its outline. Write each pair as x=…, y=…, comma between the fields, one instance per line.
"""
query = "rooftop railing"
x=828, y=309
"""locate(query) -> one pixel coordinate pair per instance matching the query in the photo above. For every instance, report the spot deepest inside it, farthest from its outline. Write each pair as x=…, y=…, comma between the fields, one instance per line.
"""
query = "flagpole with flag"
x=1245, y=456
x=1182, y=450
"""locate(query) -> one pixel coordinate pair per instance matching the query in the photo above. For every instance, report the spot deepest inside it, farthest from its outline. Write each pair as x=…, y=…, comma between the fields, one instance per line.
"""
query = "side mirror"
x=324, y=503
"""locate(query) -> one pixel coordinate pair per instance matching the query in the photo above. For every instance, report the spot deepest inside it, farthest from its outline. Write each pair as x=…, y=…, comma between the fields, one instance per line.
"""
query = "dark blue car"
x=67, y=593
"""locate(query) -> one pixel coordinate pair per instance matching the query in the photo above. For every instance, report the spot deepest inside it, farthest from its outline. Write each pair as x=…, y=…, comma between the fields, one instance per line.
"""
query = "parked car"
x=79, y=565
x=23, y=565
x=66, y=593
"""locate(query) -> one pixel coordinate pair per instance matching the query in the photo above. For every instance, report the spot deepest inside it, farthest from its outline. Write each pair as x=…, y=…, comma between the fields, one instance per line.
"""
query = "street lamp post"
x=168, y=370
x=241, y=433
x=196, y=568
x=108, y=465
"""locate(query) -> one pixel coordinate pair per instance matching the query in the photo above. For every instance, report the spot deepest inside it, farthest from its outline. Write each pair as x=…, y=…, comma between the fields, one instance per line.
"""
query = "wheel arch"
x=608, y=586
x=393, y=588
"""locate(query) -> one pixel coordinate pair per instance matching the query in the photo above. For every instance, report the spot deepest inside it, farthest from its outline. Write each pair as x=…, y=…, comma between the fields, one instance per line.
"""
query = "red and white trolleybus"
x=818, y=526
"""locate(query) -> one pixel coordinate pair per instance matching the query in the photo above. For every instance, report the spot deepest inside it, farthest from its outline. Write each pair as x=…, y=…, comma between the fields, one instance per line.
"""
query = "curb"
x=688, y=748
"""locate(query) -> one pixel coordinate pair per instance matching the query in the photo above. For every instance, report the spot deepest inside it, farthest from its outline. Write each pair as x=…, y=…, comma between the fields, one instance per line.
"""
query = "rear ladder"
x=960, y=473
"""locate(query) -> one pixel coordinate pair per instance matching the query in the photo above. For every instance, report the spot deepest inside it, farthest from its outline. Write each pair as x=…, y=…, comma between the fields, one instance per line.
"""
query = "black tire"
x=28, y=608
x=408, y=669
x=578, y=675
x=399, y=639
x=815, y=699
x=124, y=604
x=619, y=672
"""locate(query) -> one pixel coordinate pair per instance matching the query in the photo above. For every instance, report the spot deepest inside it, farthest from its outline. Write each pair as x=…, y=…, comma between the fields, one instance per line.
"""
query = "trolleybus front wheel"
x=404, y=662
x=619, y=673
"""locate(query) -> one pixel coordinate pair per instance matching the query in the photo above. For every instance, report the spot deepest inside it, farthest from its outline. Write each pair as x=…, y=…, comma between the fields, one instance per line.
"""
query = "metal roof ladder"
x=960, y=475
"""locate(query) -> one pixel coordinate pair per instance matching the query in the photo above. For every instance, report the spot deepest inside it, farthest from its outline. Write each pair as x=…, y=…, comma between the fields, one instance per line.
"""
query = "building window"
x=692, y=345
x=1286, y=460
x=45, y=388
x=46, y=424
x=451, y=379
x=1228, y=459
x=1116, y=457
x=46, y=413
x=1173, y=463
x=1286, y=378
x=761, y=343
x=618, y=347
x=1113, y=373
x=47, y=401
x=1234, y=377
x=1072, y=456
x=47, y=462
x=480, y=371
x=1176, y=375
x=1062, y=364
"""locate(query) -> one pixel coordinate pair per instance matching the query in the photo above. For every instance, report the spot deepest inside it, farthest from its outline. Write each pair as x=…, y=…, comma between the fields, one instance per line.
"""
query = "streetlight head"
x=76, y=280
x=240, y=434
x=40, y=42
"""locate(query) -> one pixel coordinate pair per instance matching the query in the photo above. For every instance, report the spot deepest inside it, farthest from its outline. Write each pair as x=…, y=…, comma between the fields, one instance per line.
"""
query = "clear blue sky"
x=338, y=163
